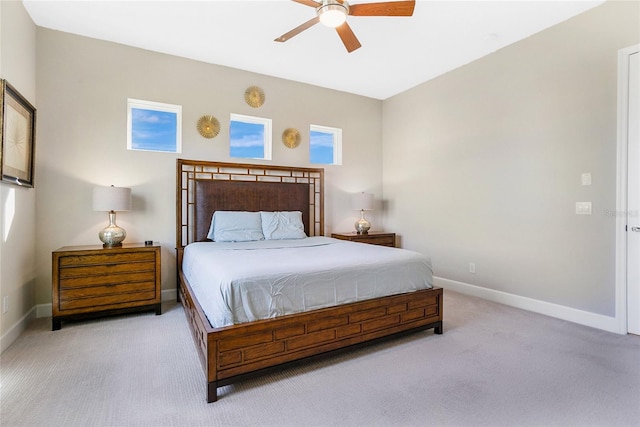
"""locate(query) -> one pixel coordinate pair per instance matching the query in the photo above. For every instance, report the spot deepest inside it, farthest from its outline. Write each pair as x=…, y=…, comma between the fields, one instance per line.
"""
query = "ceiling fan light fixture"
x=333, y=14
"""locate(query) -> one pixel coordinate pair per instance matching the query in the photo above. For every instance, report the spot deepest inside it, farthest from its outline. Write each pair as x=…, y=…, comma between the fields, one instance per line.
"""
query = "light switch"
x=583, y=208
x=586, y=178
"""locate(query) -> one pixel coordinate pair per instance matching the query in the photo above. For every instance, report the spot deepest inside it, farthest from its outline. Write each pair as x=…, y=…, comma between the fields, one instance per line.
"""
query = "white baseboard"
x=44, y=310
x=169, y=294
x=599, y=321
x=14, y=332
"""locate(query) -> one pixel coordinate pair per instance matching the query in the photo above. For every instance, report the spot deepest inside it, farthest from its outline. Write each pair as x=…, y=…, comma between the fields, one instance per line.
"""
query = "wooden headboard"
x=203, y=187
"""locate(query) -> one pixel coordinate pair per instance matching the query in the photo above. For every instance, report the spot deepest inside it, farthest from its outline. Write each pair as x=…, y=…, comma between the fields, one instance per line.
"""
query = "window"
x=325, y=145
x=154, y=126
x=250, y=137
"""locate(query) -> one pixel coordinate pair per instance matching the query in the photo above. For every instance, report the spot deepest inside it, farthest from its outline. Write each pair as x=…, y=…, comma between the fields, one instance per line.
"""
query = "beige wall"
x=17, y=204
x=489, y=159
x=83, y=85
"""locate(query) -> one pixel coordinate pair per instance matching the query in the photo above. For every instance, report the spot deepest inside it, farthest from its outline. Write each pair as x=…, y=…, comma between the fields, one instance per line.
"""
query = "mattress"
x=238, y=282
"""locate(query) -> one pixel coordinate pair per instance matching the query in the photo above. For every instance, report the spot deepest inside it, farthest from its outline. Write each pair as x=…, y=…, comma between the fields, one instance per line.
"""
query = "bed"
x=230, y=351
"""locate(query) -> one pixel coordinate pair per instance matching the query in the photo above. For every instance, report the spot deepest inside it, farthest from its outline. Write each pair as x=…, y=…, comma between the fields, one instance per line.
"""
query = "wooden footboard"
x=231, y=353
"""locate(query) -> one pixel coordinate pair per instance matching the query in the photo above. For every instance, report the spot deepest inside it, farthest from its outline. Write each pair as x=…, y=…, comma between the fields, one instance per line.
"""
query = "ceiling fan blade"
x=348, y=37
x=389, y=8
x=298, y=30
x=308, y=3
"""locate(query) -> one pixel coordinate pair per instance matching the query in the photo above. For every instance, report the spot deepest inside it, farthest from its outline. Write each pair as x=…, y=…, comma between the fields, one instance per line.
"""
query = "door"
x=633, y=196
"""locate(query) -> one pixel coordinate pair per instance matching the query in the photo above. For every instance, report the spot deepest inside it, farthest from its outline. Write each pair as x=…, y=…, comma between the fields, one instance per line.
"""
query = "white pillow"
x=282, y=225
x=235, y=226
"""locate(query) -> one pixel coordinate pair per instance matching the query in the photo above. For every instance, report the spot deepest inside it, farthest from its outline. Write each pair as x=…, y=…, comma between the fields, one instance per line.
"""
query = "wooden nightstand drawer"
x=374, y=238
x=110, y=296
x=109, y=289
x=97, y=270
x=106, y=279
x=126, y=256
x=379, y=240
x=96, y=280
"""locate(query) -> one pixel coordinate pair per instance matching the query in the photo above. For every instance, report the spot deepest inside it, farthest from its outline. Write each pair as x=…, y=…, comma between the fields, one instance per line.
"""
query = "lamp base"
x=112, y=236
x=115, y=245
x=362, y=225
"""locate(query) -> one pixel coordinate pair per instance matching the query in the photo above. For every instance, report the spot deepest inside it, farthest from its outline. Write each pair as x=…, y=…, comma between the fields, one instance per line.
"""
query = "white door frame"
x=621, y=188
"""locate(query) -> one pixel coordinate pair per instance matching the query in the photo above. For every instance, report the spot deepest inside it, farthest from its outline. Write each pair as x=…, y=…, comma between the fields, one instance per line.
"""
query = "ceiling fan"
x=333, y=13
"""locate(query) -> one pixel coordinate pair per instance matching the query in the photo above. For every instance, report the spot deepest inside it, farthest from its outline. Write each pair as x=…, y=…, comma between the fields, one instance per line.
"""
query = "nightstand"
x=374, y=238
x=92, y=280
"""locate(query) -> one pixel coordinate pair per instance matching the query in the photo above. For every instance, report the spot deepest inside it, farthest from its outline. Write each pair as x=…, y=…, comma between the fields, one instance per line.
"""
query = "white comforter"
x=245, y=281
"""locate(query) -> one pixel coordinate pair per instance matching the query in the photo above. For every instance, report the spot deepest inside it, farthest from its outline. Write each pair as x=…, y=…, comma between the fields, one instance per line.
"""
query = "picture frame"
x=17, y=139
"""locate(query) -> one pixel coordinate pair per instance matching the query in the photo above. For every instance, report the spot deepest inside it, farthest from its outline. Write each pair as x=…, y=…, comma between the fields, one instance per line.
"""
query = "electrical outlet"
x=472, y=267
x=5, y=304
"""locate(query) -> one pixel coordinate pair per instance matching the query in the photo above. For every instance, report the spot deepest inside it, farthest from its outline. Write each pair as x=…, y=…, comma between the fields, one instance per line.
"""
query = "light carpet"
x=493, y=366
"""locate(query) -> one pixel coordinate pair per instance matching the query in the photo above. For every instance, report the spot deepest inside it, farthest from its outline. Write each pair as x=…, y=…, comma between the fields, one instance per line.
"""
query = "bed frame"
x=231, y=353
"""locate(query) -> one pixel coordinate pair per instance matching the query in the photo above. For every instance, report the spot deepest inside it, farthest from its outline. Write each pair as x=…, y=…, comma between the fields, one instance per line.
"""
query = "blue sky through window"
x=246, y=140
x=153, y=130
x=321, y=147
x=154, y=126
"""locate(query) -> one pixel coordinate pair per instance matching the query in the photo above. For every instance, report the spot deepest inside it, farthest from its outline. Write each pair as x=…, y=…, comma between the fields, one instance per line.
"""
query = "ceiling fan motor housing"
x=333, y=13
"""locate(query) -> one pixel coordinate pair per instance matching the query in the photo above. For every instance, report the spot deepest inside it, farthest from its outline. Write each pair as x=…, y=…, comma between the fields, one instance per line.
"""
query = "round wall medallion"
x=254, y=96
x=291, y=137
x=208, y=126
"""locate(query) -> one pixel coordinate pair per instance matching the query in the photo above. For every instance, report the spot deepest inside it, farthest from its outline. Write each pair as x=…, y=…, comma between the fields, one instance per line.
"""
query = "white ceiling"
x=397, y=53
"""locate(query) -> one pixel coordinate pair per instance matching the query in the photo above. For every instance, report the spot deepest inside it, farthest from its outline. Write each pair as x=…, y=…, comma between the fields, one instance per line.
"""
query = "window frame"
x=153, y=106
x=337, y=143
x=267, y=134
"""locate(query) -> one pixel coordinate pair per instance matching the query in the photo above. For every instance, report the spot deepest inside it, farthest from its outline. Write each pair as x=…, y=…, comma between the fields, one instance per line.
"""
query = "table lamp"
x=362, y=202
x=112, y=199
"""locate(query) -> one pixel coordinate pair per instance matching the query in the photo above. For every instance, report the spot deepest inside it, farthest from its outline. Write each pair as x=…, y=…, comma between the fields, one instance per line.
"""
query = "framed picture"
x=17, y=142
x=154, y=126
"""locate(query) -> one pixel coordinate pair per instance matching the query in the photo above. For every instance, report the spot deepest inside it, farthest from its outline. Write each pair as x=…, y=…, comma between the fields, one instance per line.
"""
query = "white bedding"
x=246, y=281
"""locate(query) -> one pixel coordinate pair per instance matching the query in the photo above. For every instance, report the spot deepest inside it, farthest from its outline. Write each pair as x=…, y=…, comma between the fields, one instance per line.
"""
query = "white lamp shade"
x=111, y=199
x=362, y=201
